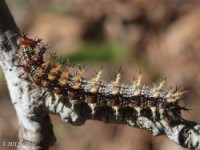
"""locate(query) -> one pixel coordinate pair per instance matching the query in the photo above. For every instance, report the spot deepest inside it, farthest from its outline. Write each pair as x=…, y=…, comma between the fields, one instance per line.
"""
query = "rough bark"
x=35, y=126
x=33, y=107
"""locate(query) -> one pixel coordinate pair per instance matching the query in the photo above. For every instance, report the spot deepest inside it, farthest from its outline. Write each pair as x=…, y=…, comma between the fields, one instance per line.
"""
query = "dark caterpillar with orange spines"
x=154, y=102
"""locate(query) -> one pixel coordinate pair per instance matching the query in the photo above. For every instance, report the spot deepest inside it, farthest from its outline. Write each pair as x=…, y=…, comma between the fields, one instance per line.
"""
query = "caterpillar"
x=68, y=82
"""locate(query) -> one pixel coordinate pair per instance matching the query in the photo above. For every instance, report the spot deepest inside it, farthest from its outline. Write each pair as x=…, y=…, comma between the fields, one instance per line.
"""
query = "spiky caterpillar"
x=134, y=100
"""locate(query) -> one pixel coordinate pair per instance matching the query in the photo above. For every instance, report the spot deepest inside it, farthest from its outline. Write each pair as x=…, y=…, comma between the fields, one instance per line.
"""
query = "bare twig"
x=35, y=125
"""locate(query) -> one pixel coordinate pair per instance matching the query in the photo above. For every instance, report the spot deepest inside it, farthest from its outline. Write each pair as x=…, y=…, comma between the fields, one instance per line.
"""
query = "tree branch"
x=35, y=126
x=187, y=134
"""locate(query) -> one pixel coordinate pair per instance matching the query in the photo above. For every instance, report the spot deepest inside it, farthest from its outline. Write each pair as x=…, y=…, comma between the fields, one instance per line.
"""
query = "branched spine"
x=134, y=104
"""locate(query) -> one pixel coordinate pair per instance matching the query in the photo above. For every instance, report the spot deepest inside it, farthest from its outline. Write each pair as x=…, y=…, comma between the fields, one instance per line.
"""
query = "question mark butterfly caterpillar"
x=135, y=99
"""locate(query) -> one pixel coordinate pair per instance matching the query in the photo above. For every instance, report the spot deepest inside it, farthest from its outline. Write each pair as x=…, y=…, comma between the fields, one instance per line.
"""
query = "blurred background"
x=159, y=37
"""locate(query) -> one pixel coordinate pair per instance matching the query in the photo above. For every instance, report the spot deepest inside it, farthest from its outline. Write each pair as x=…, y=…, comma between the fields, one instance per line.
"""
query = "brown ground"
x=160, y=37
